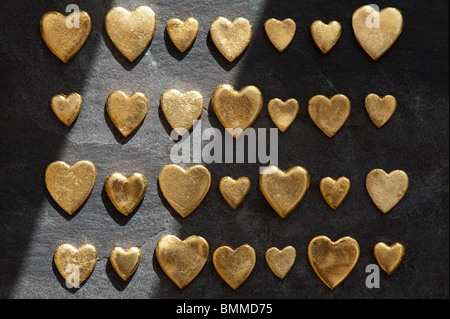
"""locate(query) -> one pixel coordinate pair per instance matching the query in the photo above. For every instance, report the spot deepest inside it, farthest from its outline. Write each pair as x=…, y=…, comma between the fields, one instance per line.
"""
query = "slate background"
x=415, y=140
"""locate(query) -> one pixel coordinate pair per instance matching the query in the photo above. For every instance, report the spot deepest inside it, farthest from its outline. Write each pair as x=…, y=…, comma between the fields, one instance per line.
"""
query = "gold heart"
x=280, y=33
x=326, y=35
x=63, y=41
x=131, y=32
x=329, y=114
x=377, y=39
x=231, y=38
x=234, y=265
x=66, y=108
x=281, y=261
x=386, y=190
x=182, y=109
x=184, y=189
x=234, y=191
x=283, y=113
x=333, y=261
x=181, y=260
x=389, y=257
x=126, y=112
x=182, y=33
x=125, y=192
x=124, y=261
x=237, y=110
x=71, y=261
x=334, y=191
x=70, y=186
x=284, y=190
x=380, y=109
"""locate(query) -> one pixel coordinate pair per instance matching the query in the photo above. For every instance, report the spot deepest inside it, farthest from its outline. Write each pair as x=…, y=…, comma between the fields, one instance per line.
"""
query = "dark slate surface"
x=415, y=140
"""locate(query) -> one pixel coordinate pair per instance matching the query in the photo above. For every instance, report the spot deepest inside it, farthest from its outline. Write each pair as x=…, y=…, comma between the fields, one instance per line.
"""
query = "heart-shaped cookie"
x=333, y=261
x=75, y=265
x=181, y=260
x=184, y=189
x=234, y=191
x=280, y=33
x=283, y=113
x=386, y=190
x=377, y=31
x=182, y=109
x=380, y=109
x=237, y=110
x=329, y=114
x=63, y=38
x=131, y=32
x=125, y=262
x=334, y=191
x=389, y=257
x=125, y=192
x=126, y=112
x=66, y=108
x=281, y=261
x=182, y=33
x=284, y=190
x=231, y=38
x=234, y=265
x=70, y=186
x=325, y=35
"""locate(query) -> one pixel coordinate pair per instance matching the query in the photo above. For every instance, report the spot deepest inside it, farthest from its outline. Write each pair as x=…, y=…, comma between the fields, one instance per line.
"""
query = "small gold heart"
x=182, y=109
x=283, y=113
x=234, y=265
x=182, y=33
x=334, y=191
x=326, y=35
x=280, y=33
x=131, y=32
x=377, y=31
x=126, y=112
x=284, y=190
x=231, y=38
x=329, y=114
x=236, y=110
x=183, y=260
x=63, y=41
x=333, y=261
x=125, y=192
x=234, y=191
x=71, y=261
x=66, y=108
x=386, y=190
x=184, y=189
x=70, y=186
x=389, y=257
x=380, y=109
x=281, y=261
x=124, y=261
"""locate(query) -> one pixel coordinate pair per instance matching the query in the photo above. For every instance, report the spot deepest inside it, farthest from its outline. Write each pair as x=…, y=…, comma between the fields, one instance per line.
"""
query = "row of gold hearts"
x=131, y=32
x=185, y=189
x=182, y=260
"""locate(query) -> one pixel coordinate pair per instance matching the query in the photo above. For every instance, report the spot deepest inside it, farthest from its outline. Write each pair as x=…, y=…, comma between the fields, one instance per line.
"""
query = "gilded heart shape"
x=389, y=257
x=234, y=191
x=282, y=113
x=125, y=261
x=334, y=191
x=281, y=261
x=70, y=260
x=280, y=33
x=66, y=108
x=325, y=36
x=380, y=109
x=182, y=33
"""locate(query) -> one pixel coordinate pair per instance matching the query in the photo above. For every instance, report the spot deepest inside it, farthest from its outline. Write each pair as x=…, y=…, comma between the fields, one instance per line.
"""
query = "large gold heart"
x=325, y=35
x=280, y=33
x=380, y=109
x=281, y=261
x=333, y=261
x=284, y=190
x=131, y=32
x=377, y=31
x=234, y=191
x=234, y=265
x=236, y=110
x=125, y=262
x=329, y=114
x=283, y=113
x=182, y=33
x=182, y=109
x=334, y=191
x=181, y=260
x=231, y=38
x=70, y=186
x=75, y=265
x=386, y=190
x=63, y=38
x=66, y=108
x=184, y=189
x=125, y=192
x=126, y=112
x=389, y=257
